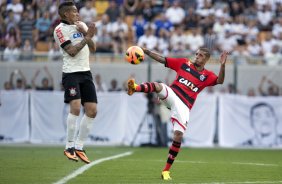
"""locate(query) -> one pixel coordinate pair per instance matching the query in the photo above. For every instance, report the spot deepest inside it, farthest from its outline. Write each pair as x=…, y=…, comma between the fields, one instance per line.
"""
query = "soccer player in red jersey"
x=191, y=79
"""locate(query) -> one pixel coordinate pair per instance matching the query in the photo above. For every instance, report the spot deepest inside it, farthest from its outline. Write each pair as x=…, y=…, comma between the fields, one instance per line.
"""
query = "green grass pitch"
x=31, y=164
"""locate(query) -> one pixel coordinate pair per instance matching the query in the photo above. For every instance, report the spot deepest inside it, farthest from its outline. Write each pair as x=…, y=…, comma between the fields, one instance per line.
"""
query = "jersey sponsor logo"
x=77, y=35
x=60, y=35
x=188, y=83
x=72, y=91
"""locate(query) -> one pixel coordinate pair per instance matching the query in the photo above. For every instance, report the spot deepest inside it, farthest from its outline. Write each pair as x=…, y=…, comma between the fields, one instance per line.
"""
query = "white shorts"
x=179, y=111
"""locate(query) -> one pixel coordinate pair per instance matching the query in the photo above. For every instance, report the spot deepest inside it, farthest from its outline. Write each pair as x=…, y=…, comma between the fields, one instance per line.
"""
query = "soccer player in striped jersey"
x=191, y=79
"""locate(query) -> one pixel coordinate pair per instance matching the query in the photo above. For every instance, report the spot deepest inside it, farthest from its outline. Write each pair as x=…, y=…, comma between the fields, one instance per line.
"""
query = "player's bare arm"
x=80, y=27
x=221, y=74
x=154, y=55
x=91, y=44
x=72, y=50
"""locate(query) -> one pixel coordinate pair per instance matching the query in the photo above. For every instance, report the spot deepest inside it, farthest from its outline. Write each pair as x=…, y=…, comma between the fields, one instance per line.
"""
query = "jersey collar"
x=196, y=68
x=65, y=22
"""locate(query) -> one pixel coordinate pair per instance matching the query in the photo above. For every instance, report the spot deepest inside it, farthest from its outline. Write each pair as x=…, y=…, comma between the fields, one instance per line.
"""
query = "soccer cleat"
x=70, y=154
x=131, y=86
x=81, y=154
x=166, y=176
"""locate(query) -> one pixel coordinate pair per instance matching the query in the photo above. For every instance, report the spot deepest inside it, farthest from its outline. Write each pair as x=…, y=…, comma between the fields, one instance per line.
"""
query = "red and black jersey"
x=189, y=82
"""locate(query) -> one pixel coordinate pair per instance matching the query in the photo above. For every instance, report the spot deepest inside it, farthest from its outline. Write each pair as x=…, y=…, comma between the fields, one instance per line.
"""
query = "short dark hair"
x=63, y=7
x=206, y=52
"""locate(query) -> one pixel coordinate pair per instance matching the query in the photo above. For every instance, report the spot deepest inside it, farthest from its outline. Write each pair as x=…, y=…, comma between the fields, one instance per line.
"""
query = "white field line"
x=88, y=166
x=202, y=162
x=257, y=164
x=238, y=163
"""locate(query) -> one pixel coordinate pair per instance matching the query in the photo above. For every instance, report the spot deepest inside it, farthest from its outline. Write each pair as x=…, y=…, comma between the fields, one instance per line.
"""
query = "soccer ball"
x=134, y=55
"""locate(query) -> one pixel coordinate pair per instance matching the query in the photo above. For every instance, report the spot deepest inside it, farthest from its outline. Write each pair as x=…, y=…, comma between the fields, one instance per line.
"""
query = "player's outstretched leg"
x=147, y=87
x=70, y=154
x=173, y=151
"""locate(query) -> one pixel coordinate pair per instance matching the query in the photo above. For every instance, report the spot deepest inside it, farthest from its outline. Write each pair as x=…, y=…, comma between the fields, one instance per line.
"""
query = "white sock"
x=84, y=129
x=71, y=130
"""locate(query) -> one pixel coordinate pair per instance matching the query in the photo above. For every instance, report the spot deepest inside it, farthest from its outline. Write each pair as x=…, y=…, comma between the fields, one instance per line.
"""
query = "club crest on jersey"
x=202, y=77
x=189, y=84
x=73, y=91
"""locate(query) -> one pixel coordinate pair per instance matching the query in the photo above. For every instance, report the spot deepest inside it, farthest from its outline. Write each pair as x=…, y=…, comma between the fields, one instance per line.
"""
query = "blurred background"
x=30, y=65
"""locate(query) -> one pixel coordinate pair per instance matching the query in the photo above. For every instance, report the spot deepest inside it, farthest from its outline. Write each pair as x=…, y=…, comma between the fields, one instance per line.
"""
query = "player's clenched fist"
x=81, y=27
x=91, y=30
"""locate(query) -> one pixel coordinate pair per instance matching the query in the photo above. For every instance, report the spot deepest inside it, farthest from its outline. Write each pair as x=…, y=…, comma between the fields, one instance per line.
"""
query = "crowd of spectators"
x=250, y=28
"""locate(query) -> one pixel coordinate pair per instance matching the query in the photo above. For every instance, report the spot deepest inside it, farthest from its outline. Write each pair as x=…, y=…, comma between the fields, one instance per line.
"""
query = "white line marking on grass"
x=257, y=164
x=88, y=166
x=202, y=162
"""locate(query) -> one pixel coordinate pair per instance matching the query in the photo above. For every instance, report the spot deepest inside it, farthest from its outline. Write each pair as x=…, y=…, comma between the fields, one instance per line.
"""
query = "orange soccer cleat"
x=70, y=154
x=131, y=86
x=82, y=155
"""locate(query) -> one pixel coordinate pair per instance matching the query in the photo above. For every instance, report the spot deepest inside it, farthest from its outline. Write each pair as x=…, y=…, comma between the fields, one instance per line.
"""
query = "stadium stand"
x=233, y=25
x=223, y=17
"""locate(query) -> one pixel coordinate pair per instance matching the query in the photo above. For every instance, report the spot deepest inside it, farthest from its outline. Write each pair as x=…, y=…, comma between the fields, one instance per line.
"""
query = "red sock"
x=173, y=151
x=146, y=87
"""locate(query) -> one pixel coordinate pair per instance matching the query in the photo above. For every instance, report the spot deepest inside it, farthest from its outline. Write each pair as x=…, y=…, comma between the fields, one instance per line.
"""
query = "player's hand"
x=144, y=49
x=91, y=30
x=223, y=57
x=80, y=27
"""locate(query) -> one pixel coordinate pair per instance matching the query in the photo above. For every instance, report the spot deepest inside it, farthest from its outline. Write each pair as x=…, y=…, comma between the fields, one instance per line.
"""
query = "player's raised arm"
x=72, y=50
x=221, y=73
x=81, y=27
x=91, y=44
x=154, y=55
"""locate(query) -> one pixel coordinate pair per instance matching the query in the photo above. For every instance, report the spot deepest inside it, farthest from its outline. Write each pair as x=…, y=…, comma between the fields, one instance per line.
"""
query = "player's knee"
x=158, y=86
x=75, y=110
x=91, y=111
x=177, y=136
x=75, y=107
